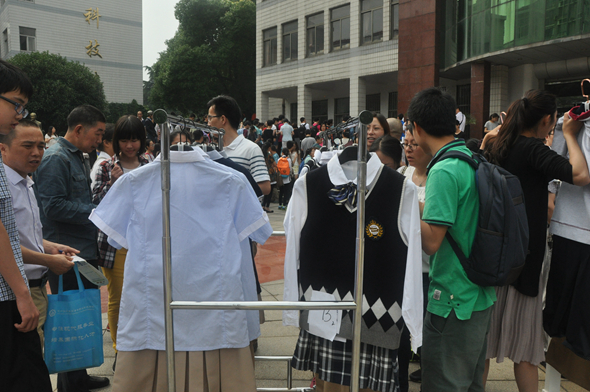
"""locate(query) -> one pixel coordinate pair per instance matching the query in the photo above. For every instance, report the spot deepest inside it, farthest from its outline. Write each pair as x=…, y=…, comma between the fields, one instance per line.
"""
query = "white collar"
x=197, y=155
x=16, y=178
x=236, y=142
x=337, y=176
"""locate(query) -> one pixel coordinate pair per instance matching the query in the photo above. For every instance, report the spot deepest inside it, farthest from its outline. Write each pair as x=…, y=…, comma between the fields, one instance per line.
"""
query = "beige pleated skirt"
x=516, y=330
x=225, y=370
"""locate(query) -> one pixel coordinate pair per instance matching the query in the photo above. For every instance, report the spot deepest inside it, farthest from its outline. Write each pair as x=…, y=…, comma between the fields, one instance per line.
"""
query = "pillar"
x=304, y=103
x=480, y=97
x=358, y=95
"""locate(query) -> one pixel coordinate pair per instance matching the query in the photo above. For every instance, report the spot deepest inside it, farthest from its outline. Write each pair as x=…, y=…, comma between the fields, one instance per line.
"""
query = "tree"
x=60, y=86
x=212, y=53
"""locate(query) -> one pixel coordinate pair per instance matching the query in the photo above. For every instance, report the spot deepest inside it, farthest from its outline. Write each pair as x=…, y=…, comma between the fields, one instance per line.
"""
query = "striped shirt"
x=7, y=217
x=249, y=155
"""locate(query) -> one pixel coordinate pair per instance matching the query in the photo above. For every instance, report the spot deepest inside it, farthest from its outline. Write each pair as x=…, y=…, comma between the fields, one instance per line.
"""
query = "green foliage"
x=60, y=86
x=212, y=53
x=115, y=110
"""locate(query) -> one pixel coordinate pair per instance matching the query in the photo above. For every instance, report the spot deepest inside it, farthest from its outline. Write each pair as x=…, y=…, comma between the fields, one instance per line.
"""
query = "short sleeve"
x=114, y=213
x=442, y=198
x=249, y=219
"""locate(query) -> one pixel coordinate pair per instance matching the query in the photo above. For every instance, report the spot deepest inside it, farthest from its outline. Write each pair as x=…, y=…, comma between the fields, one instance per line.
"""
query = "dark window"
x=371, y=21
x=319, y=110
x=392, y=105
x=270, y=46
x=290, y=41
x=373, y=103
x=27, y=39
x=340, y=26
x=315, y=34
x=394, y=18
x=293, y=118
x=341, y=109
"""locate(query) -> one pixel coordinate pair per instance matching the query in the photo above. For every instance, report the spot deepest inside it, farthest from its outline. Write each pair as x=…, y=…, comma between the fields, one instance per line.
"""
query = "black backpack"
x=501, y=242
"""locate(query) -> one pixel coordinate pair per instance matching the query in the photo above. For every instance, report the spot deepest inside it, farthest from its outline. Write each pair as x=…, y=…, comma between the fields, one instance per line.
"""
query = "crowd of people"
x=94, y=193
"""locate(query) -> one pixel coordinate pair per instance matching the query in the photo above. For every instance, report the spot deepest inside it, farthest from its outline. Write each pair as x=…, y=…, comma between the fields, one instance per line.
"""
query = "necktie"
x=341, y=193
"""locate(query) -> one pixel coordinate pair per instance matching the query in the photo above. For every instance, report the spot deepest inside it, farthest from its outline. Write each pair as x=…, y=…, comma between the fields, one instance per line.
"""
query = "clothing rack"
x=337, y=131
x=161, y=117
x=194, y=125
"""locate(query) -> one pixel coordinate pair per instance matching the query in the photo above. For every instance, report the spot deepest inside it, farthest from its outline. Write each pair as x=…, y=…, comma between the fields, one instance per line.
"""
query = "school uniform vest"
x=328, y=248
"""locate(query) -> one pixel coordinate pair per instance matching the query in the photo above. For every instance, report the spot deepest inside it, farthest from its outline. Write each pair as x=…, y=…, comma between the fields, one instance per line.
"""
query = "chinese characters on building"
x=92, y=14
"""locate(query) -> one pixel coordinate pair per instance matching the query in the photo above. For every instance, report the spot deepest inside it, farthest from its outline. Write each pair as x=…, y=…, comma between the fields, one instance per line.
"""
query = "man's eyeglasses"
x=409, y=146
x=210, y=117
x=19, y=108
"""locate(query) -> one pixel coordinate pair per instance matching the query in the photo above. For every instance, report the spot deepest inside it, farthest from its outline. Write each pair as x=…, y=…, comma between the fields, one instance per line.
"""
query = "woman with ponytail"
x=516, y=329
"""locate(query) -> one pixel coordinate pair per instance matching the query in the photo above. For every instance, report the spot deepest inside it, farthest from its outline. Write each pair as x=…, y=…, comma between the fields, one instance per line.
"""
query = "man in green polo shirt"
x=458, y=317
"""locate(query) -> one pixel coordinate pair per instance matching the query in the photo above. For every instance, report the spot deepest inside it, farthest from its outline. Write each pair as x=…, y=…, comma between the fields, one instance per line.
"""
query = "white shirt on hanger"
x=207, y=252
x=412, y=308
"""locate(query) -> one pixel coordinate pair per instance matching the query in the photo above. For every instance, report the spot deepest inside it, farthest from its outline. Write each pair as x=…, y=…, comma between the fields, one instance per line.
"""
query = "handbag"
x=73, y=329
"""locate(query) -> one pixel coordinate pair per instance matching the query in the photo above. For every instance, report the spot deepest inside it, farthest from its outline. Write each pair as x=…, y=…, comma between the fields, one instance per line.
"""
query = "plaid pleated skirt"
x=332, y=362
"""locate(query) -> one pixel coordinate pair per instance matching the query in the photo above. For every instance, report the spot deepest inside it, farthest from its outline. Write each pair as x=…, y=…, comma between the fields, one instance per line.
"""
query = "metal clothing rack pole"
x=364, y=118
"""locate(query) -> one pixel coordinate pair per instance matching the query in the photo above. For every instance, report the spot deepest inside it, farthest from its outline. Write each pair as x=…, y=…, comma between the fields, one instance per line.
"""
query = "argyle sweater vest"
x=328, y=248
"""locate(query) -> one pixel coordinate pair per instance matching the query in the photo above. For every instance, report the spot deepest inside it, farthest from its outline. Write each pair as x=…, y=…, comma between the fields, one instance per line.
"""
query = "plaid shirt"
x=7, y=217
x=332, y=362
x=106, y=253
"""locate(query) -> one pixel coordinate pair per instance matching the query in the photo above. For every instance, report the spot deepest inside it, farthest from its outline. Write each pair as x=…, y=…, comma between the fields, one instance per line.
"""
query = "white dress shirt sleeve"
x=295, y=218
x=115, y=211
x=413, y=305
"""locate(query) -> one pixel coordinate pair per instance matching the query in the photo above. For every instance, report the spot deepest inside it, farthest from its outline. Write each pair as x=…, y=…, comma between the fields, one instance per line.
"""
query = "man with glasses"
x=21, y=363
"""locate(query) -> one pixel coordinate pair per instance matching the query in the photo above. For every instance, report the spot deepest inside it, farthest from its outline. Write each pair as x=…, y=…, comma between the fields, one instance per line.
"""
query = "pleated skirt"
x=516, y=330
x=225, y=370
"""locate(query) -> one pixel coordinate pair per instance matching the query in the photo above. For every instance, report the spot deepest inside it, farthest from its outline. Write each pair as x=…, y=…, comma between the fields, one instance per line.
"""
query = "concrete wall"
x=61, y=28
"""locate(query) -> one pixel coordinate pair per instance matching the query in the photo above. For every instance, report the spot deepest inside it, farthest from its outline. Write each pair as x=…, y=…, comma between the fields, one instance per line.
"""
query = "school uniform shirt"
x=28, y=222
x=409, y=229
x=207, y=251
x=249, y=155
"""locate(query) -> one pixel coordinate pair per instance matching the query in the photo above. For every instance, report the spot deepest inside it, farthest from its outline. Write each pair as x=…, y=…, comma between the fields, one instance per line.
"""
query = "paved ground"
x=279, y=340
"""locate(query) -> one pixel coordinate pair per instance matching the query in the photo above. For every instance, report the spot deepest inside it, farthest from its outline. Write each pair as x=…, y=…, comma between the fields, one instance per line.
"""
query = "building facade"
x=105, y=35
x=325, y=59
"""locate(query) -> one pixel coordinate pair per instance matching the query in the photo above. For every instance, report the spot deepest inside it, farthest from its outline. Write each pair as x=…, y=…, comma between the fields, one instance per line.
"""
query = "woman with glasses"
x=418, y=161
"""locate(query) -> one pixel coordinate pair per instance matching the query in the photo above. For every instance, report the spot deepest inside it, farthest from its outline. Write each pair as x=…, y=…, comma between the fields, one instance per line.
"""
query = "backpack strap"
x=460, y=255
x=459, y=155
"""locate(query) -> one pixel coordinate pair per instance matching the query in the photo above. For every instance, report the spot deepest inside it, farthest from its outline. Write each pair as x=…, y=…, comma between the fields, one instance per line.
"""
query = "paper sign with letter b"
x=324, y=323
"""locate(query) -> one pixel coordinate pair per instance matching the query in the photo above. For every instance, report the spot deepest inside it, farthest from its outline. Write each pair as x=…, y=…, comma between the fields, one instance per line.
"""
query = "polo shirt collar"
x=16, y=178
x=452, y=144
x=233, y=145
x=197, y=155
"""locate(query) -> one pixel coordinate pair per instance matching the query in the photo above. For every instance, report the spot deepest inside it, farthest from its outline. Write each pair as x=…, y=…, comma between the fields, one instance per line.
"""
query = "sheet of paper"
x=324, y=323
x=89, y=272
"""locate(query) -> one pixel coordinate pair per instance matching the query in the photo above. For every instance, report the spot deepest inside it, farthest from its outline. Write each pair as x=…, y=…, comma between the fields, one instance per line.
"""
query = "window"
x=270, y=47
x=5, y=48
x=340, y=26
x=293, y=118
x=315, y=34
x=319, y=110
x=290, y=41
x=392, y=105
x=27, y=39
x=373, y=103
x=371, y=21
x=394, y=18
x=341, y=109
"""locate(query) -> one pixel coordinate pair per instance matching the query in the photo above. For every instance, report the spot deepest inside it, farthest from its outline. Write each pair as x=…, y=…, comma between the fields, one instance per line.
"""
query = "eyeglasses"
x=19, y=108
x=210, y=117
x=411, y=147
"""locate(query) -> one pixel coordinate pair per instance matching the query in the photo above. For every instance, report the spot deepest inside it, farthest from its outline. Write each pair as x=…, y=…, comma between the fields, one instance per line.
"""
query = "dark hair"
x=192, y=115
x=302, y=119
x=494, y=115
x=9, y=137
x=290, y=144
x=473, y=144
x=286, y=121
x=228, y=107
x=273, y=148
x=270, y=122
x=285, y=151
x=400, y=116
x=109, y=130
x=13, y=78
x=180, y=132
x=128, y=128
x=147, y=143
x=389, y=146
x=434, y=111
x=87, y=116
x=383, y=121
x=197, y=134
x=523, y=114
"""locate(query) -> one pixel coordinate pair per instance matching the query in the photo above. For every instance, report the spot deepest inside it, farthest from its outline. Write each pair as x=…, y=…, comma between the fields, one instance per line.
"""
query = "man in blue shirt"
x=62, y=187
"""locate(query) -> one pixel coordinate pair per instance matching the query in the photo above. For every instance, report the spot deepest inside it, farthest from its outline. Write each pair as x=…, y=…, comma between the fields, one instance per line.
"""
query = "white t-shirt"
x=461, y=118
